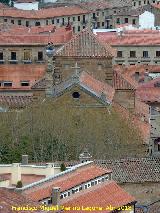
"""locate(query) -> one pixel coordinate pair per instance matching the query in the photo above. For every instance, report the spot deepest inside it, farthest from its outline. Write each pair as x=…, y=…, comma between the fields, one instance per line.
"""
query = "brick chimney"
x=55, y=196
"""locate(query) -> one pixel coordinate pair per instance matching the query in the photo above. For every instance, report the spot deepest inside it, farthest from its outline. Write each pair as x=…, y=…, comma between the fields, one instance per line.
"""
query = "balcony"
x=40, y=61
x=156, y=59
x=28, y=61
x=2, y=61
x=145, y=59
x=132, y=59
x=119, y=59
x=13, y=61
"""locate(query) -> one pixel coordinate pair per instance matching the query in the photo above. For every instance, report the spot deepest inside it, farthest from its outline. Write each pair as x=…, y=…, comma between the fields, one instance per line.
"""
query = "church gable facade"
x=82, y=90
x=90, y=55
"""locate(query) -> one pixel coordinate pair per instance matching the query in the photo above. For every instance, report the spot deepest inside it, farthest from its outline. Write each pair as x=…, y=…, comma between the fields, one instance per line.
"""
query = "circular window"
x=76, y=95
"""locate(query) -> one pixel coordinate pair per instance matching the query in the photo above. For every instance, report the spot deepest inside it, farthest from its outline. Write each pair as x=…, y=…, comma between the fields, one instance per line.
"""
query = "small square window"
x=5, y=20
x=24, y=83
x=12, y=21
x=132, y=54
x=7, y=84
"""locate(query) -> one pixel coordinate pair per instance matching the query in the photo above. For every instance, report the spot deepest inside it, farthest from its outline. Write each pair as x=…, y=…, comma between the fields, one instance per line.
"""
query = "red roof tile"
x=130, y=38
x=25, y=1
x=15, y=101
x=85, y=44
x=101, y=195
x=59, y=37
x=65, y=182
x=31, y=178
x=21, y=72
x=8, y=198
x=43, y=13
x=148, y=94
x=97, y=86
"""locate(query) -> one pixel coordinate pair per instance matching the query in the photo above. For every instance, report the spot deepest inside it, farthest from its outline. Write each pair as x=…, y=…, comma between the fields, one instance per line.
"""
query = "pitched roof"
x=21, y=72
x=123, y=171
x=15, y=101
x=65, y=180
x=14, y=38
x=96, y=88
x=101, y=195
x=85, y=44
x=8, y=198
x=148, y=94
x=122, y=82
x=130, y=38
x=145, y=91
x=40, y=84
x=43, y=13
x=25, y=1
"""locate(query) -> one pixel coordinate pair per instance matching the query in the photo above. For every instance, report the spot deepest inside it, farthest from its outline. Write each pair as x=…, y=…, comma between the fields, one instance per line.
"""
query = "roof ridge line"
x=54, y=176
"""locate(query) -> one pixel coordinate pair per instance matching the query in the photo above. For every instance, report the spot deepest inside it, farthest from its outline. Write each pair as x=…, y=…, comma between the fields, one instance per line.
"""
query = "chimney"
x=24, y=159
x=146, y=76
x=136, y=75
x=55, y=196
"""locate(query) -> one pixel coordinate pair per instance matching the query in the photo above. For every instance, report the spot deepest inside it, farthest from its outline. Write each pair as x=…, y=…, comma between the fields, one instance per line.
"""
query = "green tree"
x=19, y=184
x=63, y=167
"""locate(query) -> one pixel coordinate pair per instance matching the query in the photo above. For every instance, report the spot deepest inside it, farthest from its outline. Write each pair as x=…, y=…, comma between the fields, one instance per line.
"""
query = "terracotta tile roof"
x=145, y=91
x=148, y=94
x=85, y=44
x=123, y=171
x=65, y=182
x=57, y=38
x=40, y=84
x=155, y=208
x=96, y=5
x=15, y=101
x=25, y=1
x=30, y=178
x=151, y=208
x=8, y=198
x=21, y=72
x=123, y=82
x=96, y=88
x=132, y=37
x=43, y=13
x=102, y=195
